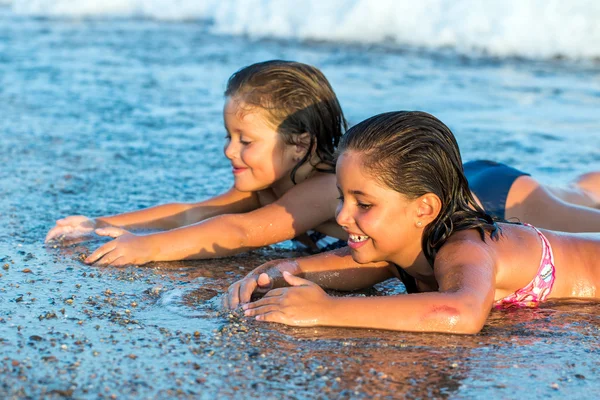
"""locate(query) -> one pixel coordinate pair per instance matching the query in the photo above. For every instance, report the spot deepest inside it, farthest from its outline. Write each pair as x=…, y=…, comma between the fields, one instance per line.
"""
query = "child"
x=406, y=206
x=284, y=122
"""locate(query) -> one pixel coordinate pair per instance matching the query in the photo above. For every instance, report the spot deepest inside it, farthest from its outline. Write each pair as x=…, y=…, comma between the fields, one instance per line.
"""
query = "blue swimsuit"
x=491, y=181
x=320, y=242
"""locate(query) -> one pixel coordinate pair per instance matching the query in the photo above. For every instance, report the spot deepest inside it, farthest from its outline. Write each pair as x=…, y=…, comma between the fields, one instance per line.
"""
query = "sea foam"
x=532, y=29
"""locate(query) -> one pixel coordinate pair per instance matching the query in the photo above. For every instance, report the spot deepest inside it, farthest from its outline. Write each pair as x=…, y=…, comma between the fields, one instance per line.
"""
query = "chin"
x=362, y=258
x=245, y=187
x=249, y=186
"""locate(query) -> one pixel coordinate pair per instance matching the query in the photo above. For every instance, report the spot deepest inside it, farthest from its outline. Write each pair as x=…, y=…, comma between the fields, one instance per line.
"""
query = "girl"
x=283, y=123
x=407, y=208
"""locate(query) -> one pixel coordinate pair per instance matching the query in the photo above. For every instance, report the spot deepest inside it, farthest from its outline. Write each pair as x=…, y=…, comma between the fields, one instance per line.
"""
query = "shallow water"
x=102, y=116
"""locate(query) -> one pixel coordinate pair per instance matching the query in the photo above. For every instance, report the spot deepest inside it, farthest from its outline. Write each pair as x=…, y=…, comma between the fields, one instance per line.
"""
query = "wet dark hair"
x=299, y=99
x=414, y=153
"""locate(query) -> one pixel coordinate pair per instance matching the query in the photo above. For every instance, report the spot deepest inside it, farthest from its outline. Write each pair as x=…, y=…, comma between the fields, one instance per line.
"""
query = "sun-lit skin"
x=259, y=157
x=385, y=226
x=263, y=207
x=366, y=208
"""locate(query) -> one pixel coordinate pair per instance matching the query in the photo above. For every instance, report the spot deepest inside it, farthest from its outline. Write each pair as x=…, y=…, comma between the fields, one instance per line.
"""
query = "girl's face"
x=379, y=220
x=258, y=155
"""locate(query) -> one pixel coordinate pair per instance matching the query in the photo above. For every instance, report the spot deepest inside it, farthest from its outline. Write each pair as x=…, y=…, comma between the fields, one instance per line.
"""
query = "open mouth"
x=356, y=241
x=357, y=238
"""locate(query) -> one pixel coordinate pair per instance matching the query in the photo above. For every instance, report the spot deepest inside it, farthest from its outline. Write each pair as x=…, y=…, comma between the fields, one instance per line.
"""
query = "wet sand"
x=100, y=117
x=69, y=330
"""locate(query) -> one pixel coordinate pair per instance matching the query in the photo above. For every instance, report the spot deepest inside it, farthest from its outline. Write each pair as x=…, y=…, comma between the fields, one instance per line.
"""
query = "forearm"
x=423, y=312
x=331, y=270
x=220, y=236
x=175, y=215
x=163, y=217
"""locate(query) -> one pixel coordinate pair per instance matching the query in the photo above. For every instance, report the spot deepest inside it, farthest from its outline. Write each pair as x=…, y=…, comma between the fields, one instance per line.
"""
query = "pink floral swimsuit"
x=539, y=288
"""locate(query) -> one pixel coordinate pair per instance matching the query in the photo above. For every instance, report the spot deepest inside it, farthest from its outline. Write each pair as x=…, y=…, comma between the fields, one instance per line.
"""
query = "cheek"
x=370, y=223
x=255, y=157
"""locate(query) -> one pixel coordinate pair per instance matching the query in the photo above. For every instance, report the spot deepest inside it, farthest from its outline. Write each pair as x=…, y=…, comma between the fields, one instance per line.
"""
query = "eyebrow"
x=359, y=193
x=355, y=192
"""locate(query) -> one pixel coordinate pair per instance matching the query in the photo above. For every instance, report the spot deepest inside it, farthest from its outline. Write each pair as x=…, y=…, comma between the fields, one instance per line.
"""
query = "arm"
x=303, y=207
x=335, y=270
x=166, y=216
x=174, y=215
x=466, y=279
x=331, y=270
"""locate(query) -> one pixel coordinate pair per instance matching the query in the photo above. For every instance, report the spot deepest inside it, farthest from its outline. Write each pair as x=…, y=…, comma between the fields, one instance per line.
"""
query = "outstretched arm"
x=331, y=270
x=175, y=215
x=303, y=207
x=162, y=217
x=461, y=306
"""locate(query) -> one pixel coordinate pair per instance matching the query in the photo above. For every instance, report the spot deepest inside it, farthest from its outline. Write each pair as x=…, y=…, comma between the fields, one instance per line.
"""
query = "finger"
x=261, y=310
x=264, y=280
x=52, y=233
x=62, y=221
x=112, y=231
x=272, y=316
x=119, y=262
x=107, y=259
x=232, y=296
x=100, y=252
x=56, y=232
x=294, y=280
x=247, y=287
x=275, y=292
x=262, y=302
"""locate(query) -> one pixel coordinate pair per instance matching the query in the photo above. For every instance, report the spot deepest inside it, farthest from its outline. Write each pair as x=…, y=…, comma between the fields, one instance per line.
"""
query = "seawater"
x=118, y=107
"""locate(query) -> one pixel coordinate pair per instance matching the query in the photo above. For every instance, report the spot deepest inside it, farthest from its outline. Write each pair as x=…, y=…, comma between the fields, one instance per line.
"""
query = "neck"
x=413, y=260
x=305, y=171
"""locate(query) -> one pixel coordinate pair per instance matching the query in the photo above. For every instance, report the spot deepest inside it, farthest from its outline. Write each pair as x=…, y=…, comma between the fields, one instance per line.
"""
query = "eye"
x=244, y=142
x=364, y=206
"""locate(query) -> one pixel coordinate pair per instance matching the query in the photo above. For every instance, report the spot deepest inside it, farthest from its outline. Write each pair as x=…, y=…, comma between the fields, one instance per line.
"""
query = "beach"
x=105, y=113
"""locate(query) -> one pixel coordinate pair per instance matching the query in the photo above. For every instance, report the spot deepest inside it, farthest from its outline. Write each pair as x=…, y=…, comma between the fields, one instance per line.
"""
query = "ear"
x=428, y=207
x=302, y=144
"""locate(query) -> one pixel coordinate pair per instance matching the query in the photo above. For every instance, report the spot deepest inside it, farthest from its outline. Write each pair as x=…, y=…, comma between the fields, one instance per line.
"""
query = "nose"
x=230, y=149
x=343, y=215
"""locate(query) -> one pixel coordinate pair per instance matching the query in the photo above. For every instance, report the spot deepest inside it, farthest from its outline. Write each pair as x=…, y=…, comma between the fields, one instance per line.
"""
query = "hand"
x=126, y=249
x=260, y=280
x=304, y=304
x=70, y=228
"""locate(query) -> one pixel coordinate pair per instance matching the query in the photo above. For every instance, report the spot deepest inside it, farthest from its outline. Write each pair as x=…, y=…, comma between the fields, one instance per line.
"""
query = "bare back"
x=518, y=253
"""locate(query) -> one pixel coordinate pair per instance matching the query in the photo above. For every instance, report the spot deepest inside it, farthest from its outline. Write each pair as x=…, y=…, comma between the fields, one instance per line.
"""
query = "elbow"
x=469, y=326
x=459, y=317
x=471, y=317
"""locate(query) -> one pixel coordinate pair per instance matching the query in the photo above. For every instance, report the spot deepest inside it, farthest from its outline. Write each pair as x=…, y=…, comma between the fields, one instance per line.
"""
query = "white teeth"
x=358, y=238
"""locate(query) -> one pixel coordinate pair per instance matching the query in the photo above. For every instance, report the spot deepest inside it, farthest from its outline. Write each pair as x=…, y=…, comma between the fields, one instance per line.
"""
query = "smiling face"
x=259, y=157
x=380, y=221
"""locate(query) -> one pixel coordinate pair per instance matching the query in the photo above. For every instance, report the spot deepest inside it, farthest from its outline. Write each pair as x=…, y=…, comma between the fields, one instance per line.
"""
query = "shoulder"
x=319, y=185
x=466, y=247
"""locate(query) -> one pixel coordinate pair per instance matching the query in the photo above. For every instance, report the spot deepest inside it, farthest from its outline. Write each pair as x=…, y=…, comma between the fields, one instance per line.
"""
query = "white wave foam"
x=533, y=28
